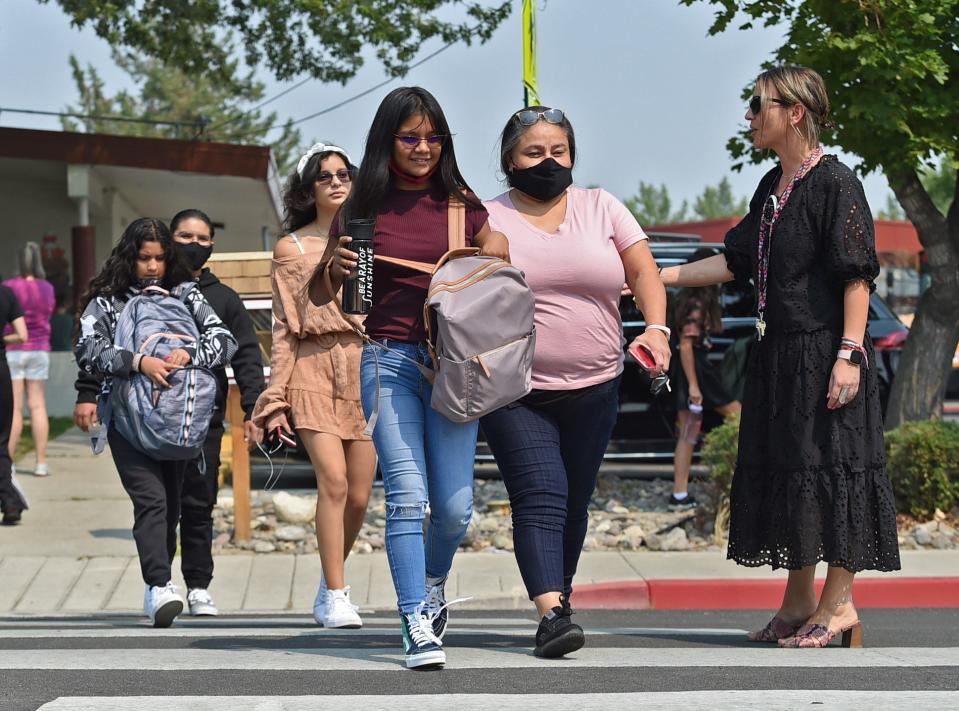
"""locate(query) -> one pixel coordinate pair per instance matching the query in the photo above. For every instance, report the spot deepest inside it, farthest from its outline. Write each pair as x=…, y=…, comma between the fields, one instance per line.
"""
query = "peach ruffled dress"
x=315, y=360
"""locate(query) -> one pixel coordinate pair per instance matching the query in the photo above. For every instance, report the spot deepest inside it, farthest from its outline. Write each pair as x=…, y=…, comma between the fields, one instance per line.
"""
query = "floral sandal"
x=816, y=635
x=776, y=629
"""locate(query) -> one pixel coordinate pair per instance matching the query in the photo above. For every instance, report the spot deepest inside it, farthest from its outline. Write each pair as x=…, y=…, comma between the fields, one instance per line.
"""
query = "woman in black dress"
x=810, y=482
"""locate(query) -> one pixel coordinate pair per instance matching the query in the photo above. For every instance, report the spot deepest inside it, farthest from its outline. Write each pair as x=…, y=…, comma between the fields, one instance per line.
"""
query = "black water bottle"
x=358, y=286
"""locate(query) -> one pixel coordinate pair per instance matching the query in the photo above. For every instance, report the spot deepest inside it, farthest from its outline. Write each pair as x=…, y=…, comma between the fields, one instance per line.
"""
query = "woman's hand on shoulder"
x=495, y=244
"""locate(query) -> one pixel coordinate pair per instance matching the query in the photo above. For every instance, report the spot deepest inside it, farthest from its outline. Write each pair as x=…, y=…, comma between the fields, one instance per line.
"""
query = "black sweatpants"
x=9, y=499
x=197, y=499
x=154, y=489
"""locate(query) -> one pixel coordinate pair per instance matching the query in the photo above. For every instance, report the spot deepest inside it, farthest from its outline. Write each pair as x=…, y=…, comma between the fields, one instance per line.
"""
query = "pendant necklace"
x=772, y=208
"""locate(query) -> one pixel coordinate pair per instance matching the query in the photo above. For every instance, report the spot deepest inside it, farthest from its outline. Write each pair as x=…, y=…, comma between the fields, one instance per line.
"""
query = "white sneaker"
x=163, y=604
x=319, y=602
x=201, y=604
x=340, y=611
x=41, y=470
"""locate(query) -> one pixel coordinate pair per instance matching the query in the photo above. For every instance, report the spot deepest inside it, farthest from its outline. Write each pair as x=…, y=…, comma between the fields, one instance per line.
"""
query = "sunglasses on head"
x=756, y=103
x=528, y=117
x=437, y=139
x=344, y=175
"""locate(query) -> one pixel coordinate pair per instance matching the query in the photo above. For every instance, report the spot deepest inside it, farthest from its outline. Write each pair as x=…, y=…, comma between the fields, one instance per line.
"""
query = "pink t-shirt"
x=37, y=300
x=577, y=276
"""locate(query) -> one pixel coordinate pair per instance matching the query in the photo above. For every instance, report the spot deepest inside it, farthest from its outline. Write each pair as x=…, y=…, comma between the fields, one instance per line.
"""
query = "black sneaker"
x=436, y=608
x=557, y=634
x=687, y=502
x=421, y=647
x=12, y=517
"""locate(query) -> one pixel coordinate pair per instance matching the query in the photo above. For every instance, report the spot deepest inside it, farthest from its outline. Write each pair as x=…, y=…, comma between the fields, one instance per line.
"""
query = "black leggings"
x=549, y=447
x=9, y=499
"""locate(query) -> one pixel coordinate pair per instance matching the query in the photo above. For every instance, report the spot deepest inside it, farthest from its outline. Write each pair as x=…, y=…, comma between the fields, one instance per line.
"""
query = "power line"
x=353, y=98
x=259, y=106
x=90, y=117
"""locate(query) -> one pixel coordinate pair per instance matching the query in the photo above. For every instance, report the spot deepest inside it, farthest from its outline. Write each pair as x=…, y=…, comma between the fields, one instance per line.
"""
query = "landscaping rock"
x=294, y=509
x=290, y=533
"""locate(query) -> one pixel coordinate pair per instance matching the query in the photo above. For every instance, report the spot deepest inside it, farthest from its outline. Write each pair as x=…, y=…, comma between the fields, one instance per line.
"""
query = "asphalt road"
x=911, y=658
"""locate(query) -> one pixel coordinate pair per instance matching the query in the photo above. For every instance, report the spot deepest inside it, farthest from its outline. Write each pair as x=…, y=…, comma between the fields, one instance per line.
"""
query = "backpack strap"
x=456, y=224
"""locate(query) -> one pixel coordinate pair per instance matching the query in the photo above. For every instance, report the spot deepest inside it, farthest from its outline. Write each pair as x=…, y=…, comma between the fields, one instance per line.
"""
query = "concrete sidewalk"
x=275, y=583
x=74, y=554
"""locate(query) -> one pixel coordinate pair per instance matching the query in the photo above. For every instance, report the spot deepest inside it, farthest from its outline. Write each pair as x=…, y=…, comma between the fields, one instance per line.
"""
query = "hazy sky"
x=650, y=95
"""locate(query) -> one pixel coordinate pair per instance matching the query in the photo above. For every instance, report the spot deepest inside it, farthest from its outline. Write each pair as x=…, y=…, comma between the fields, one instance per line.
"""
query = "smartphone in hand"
x=287, y=438
x=642, y=355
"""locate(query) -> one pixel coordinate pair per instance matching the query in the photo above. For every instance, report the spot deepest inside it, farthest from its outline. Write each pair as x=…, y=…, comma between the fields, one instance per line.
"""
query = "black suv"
x=644, y=431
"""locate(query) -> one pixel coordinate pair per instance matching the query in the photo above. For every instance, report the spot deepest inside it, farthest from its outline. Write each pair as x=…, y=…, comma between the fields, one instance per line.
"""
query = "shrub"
x=923, y=461
x=720, y=449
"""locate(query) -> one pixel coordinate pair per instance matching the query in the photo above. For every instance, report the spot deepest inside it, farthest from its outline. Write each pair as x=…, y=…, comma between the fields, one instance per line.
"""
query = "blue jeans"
x=423, y=457
x=549, y=447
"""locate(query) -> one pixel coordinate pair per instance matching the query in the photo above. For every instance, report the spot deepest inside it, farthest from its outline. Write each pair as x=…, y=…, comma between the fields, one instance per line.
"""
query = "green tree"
x=892, y=70
x=206, y=109
x=940, y=183
x=716, y=202
x=892, y=210
x=321, y=38
x=652, y=205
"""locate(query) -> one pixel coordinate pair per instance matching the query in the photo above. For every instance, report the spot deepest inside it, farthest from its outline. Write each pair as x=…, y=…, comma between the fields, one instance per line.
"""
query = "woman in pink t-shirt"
x=30, y=361
x=577, y=247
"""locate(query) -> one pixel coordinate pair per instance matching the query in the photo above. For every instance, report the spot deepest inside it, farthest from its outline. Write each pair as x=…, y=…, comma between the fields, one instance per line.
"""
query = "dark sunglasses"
x=344, y=175
x=437, y=139
x=528, y=117
x=756, y=104
x=659, y=383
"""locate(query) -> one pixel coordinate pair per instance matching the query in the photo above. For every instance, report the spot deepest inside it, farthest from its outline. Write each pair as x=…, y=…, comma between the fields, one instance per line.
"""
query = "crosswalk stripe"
x=379, y=659
x=768, y=700
x=525, y=630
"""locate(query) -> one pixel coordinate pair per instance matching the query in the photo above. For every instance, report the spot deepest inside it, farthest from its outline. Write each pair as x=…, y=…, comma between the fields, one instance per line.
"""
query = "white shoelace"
x=421, y=627
x=200, y=596
x=436, y=594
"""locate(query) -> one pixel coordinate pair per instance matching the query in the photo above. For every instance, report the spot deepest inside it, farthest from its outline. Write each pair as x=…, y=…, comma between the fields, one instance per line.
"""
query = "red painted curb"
x=626, y=595
x=751, y=594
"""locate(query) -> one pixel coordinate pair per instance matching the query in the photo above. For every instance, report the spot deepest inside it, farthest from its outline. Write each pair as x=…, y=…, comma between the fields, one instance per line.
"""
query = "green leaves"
x=164, y=93
x=891, y=67
x=322, y=38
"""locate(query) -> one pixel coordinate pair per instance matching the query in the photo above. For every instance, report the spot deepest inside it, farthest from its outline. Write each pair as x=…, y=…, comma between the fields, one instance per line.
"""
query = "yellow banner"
x=530, y=89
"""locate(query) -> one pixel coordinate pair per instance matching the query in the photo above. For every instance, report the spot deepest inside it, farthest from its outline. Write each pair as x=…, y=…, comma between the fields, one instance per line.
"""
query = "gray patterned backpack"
x=163, y=423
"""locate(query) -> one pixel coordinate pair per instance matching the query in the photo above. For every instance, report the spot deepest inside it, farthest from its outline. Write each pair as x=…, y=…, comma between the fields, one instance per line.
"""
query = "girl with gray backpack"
x=406, y=183
x=147, y=330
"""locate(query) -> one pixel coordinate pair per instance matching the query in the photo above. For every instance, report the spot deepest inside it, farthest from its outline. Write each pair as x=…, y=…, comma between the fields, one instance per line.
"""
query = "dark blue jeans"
x=549, y=447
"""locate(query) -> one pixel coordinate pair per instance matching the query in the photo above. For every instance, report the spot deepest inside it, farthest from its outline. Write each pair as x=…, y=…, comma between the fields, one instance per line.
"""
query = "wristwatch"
x=854, y=357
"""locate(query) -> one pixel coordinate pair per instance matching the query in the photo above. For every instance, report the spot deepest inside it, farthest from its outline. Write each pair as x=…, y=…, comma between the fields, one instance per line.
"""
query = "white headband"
x=320, y=148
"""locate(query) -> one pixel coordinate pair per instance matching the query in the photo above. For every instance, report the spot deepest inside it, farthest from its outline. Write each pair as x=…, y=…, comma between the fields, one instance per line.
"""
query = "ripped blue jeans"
x=423, y=457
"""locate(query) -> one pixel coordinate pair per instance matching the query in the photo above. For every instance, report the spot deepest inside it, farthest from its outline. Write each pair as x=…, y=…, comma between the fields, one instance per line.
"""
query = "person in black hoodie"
x=193, y=233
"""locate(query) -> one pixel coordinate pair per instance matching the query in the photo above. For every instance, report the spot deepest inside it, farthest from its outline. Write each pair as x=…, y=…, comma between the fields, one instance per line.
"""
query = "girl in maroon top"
x=405, y=182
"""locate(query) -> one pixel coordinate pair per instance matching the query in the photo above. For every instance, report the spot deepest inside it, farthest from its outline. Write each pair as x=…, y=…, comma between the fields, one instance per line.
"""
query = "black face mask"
x=544, y=181
x=144, y=283
x=195, y=254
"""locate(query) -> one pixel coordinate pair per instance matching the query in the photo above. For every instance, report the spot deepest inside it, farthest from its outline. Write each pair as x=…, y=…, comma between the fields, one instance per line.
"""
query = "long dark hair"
x=195, y=214
x=374, y=178
x=706, y=298
x=299, y=195
x=514, y=130
x=119, y=271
